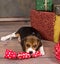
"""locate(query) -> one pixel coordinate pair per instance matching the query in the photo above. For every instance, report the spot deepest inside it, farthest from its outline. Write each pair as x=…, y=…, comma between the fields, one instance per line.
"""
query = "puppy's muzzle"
x=30, y=52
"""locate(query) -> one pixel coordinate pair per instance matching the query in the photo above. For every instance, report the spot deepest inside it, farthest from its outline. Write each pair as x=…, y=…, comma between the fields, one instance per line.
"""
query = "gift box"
x=44, y=5
x=57, y=51
x=57, y=29
x=44, y=23
x=57, y=9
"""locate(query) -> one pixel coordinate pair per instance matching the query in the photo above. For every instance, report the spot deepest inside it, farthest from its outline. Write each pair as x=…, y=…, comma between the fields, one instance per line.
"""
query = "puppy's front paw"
x=42, y=52
x=3, y=39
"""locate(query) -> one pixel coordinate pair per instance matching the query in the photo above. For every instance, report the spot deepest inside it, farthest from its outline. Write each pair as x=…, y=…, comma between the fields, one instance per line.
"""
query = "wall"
x=16, y=8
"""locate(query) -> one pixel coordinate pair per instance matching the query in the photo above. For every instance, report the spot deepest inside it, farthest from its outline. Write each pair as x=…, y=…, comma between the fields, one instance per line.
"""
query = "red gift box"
x=44, y=23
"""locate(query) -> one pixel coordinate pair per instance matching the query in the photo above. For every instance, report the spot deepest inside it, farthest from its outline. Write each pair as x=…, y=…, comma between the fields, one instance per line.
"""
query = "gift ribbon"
x=46, y=7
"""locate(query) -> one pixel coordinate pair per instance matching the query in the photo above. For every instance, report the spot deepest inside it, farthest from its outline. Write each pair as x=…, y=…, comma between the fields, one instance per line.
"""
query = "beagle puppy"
x=29, y=39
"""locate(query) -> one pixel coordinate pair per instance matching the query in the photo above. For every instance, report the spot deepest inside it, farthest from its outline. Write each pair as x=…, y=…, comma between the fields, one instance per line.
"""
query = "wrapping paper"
x=57, y=51
x=57, y=29
x=44, y=23
x=44, y=5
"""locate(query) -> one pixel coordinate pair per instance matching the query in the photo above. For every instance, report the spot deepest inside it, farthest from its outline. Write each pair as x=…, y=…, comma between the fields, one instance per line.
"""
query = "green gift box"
x=44, y=5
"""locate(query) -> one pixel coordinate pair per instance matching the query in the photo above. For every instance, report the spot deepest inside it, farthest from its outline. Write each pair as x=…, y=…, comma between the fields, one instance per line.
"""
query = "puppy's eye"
x=27, y=45
x=34, y=46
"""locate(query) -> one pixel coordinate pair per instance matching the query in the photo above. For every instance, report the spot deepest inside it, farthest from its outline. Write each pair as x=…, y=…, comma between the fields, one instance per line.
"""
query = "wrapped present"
x=44, y=23
x=57, y=9
x=44, y=5
x=57, y=29
x=57, y=50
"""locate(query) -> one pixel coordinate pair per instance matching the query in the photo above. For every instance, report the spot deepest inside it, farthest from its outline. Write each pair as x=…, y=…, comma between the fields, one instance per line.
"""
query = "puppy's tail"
x=4, y=38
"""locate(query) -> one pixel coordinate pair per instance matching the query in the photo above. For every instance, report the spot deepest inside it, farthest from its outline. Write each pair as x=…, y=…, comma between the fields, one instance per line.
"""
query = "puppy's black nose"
x=30, y=52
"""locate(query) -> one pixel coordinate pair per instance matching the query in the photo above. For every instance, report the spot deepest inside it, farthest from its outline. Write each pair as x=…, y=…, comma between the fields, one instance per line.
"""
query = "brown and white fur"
x=30, y=43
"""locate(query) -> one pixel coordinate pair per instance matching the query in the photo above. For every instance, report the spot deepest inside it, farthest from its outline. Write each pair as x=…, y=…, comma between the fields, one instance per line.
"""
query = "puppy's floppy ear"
x=39, y=44
x=23, y=44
